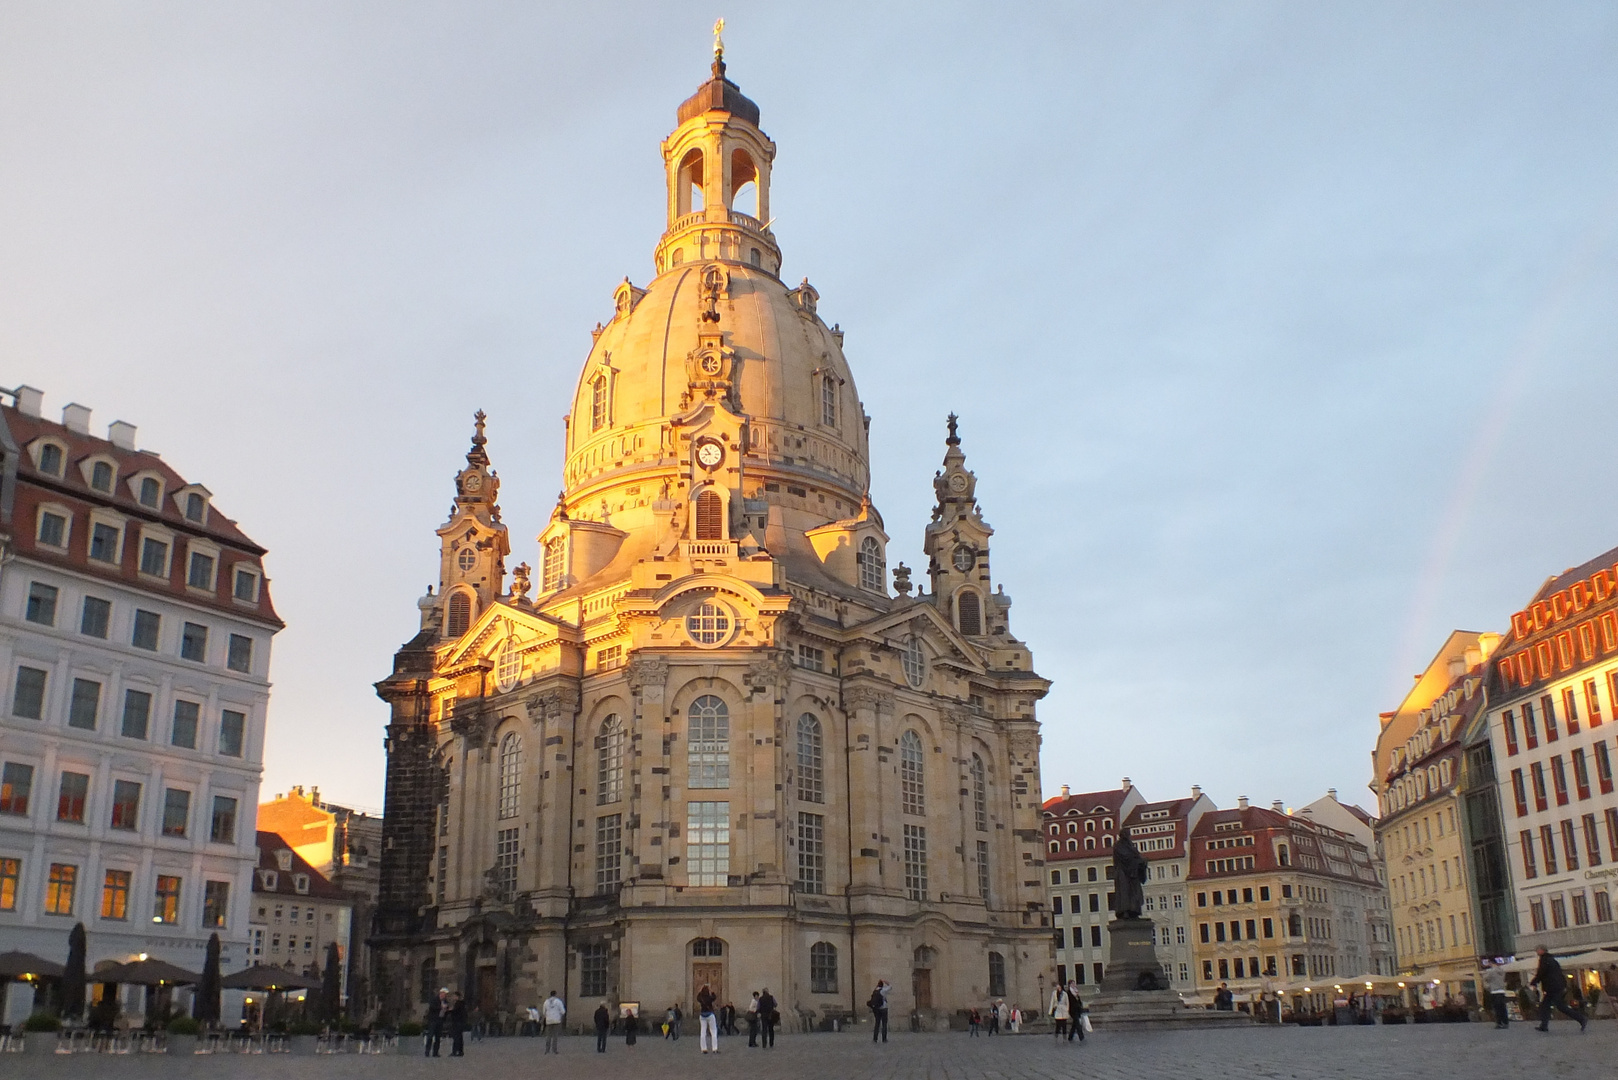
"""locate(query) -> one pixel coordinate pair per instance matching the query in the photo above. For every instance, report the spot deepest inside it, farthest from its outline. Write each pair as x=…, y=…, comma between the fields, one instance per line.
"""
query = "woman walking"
x=1059, y=1010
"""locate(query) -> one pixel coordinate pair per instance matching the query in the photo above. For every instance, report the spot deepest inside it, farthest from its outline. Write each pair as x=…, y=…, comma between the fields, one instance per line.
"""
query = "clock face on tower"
x=711, y=366
x=965, y=558
x=710, y=453
x=473, y=483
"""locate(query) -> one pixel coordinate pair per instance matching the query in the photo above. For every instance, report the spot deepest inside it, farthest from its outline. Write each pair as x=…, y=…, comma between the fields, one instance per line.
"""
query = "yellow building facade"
x=705, y=741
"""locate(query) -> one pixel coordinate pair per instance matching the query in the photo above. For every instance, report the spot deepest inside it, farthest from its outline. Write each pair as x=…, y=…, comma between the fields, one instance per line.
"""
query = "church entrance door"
x=711, y=973
x=921, y=986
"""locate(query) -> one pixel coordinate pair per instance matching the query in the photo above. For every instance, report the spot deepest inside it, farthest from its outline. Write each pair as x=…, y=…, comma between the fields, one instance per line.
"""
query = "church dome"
x=717, y=291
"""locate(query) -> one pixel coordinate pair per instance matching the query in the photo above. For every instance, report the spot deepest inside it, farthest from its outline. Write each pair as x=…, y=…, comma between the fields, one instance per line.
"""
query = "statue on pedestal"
x=1128, y=877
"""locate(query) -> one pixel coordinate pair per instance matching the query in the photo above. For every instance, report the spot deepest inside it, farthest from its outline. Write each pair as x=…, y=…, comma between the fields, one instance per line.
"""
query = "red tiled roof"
x=73, y=492
x=270, y=845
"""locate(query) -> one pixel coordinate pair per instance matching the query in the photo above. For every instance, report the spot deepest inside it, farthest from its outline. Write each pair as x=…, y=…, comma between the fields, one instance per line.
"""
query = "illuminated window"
x=166, y=900
x=811, y=775
x=59, y=889
x=115, y=895
x=510, y=774
x=708, y=744
x=11, y=871
x=216, y=903
x=609, y=761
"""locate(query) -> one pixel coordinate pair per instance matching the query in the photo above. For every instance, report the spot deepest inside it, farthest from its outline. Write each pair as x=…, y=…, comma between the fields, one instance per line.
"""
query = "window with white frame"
x=811, y=761
x=51, y=458
x=915, y=861
x=54, y=526
x=707, y=844
x=811, y=853
x=828, y=400
x=610, y=761
x=914, y=662
x=872, y=565
x=106, y=540
x=708, y=743
x=505, y=862
x=245, y=588
x=510, y=774
x=555, y=552
x=980, y=794
x=912, y=780
x=609, y=851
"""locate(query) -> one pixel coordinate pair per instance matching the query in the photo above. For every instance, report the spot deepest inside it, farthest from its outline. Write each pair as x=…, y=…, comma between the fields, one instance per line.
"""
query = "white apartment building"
x=135, y=632
x=1162, y=832
x=1552, y=718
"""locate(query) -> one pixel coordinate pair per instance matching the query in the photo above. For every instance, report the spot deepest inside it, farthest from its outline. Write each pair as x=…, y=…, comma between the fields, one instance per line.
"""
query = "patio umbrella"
x=14, y=965
x=265, y=977
x=148, y=972
x=73, y=977
x=205, y=1007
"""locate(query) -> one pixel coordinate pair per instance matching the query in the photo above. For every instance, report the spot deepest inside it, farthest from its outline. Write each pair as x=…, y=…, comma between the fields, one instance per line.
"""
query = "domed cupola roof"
x=716, y=327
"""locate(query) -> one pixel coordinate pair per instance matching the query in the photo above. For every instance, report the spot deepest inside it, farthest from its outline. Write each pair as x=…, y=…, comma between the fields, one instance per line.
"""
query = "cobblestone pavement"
x=1358, y=1053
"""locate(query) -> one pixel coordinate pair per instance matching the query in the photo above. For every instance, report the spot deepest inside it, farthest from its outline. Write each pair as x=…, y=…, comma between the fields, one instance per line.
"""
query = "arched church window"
x=510, y=774
x=828, y=400
x=610, y=761
x=997, y=975
x=710, y=516
x=980, y=795
x=823, y=968
x=968, y=613
x=460, y=614
x=914, y=662
x=508, y=668
x=873, y=567
x=555, y=552
x=598, y=403
x=811, y=772
x=707, y=747
x=912, y=782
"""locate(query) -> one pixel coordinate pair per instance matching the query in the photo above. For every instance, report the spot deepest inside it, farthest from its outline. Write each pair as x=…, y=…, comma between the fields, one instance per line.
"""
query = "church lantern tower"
x=714, y=747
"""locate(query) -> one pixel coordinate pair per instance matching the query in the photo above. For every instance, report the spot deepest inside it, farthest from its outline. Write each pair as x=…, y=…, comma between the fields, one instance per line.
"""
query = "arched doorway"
x=921, y=976
x=707, y=968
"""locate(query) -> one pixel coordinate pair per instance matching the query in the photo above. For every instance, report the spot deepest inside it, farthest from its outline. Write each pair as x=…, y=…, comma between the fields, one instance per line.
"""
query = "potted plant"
x=40, y=1033
x=409, y=1041
x=301, y=1035
x=183, y=1032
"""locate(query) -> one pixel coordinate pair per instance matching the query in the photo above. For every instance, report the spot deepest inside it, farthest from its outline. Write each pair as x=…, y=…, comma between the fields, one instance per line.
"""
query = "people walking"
x=973, y=1022
x=1494, y=984
x=707, y=1021
x=768, y=1017
x=437, y=1017
x=1059, y=1010
x=1016, y=1020
x=879, y=1010
x=457, y=1026
x=1075, y=1011
x=1552, y=983
x=752, y=1020
x=603, y=1019
x=554, y=1011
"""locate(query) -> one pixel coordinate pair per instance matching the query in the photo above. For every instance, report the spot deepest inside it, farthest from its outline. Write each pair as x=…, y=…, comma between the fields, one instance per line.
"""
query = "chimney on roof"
x=1065, y=791
x=1241, y=802
x=121, y=433
x=1331, y=793
x=1457, y=666
x=1127, y=784
x=1196, y=791
x=30, y=401
x=1278, y=806
x=76, y=418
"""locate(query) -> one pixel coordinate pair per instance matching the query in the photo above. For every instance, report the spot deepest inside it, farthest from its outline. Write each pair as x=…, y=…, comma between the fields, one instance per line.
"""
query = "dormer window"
x=151, y=492
x=555, y=552
x=300, y=882
x=196, y=507
x=828, y=400
x=873, y=567
x=599, y=403
x=50, y=459
x=269, y=879
x=54, y=526
x=283, y=859
x=246, y=586
x=101, y=476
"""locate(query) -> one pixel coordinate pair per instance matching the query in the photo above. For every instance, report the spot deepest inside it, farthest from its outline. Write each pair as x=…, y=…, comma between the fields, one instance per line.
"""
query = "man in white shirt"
x=555, y=1010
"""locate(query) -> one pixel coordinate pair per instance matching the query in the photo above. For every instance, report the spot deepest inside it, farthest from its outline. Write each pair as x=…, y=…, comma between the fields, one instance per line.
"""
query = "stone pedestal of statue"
x=1134, y=993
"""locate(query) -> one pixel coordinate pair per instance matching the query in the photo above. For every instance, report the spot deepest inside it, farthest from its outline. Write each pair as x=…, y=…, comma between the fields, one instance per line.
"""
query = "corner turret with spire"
x=473, y=542
x=957, y=546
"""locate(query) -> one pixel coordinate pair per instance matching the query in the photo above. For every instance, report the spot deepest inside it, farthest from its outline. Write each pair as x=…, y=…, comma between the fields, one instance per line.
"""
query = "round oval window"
x=709, y=625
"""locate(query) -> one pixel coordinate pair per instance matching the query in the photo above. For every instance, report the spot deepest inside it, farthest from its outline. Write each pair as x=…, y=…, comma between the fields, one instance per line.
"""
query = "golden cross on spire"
x=718, y=41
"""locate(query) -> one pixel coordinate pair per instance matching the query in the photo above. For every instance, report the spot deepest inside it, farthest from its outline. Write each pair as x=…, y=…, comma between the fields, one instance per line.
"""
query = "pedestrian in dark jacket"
x=1075, y=1012
x=603, y=1025
x=457, y=1027
x=768, y=1017
x=879, y=1010
x=1552, y=985
x=631, y=1027
x=437, y=1017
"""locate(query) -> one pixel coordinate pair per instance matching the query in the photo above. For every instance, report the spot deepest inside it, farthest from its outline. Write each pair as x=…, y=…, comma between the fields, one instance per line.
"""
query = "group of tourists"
x=1071, y=1018
x=1001, y=1017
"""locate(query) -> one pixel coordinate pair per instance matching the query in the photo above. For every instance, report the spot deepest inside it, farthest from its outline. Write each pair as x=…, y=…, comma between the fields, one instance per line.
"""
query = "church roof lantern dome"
x=718, y=93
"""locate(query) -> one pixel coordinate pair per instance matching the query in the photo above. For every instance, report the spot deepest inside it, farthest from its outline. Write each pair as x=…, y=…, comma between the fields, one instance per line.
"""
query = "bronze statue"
x=1128, y=877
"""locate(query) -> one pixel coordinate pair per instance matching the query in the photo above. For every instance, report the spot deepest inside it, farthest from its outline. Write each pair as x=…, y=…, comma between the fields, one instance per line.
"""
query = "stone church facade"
x=706, y=741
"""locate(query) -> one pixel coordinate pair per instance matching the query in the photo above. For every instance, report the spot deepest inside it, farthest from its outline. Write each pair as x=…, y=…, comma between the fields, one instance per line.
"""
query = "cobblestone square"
x=1458, y=1050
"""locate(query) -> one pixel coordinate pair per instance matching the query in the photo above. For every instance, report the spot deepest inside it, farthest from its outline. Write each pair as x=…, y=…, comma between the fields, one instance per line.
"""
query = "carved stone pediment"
x=552, y=704
x=768, y=672
x=648, y=675
x=856, y=698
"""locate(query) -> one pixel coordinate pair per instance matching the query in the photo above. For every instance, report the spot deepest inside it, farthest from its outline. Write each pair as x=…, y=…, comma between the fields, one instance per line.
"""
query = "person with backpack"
x=879, y=1010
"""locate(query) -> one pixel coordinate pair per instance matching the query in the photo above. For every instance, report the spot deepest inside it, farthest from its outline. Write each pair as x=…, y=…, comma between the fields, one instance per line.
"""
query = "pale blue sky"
x=1282, y=334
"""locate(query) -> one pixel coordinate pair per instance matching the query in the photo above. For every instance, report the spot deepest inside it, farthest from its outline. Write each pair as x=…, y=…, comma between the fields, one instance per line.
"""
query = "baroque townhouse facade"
x=1420, y=833
x=1552, y=694
x=296, y=911
x=1283, y=905
x=1079, y=832
x=707, y=741
x=135, y=631
x=1162, y=831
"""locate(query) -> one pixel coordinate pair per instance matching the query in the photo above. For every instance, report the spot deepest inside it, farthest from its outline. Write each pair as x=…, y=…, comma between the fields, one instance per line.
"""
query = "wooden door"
x=714, y=975
x=487, y=998
x=921, y=986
